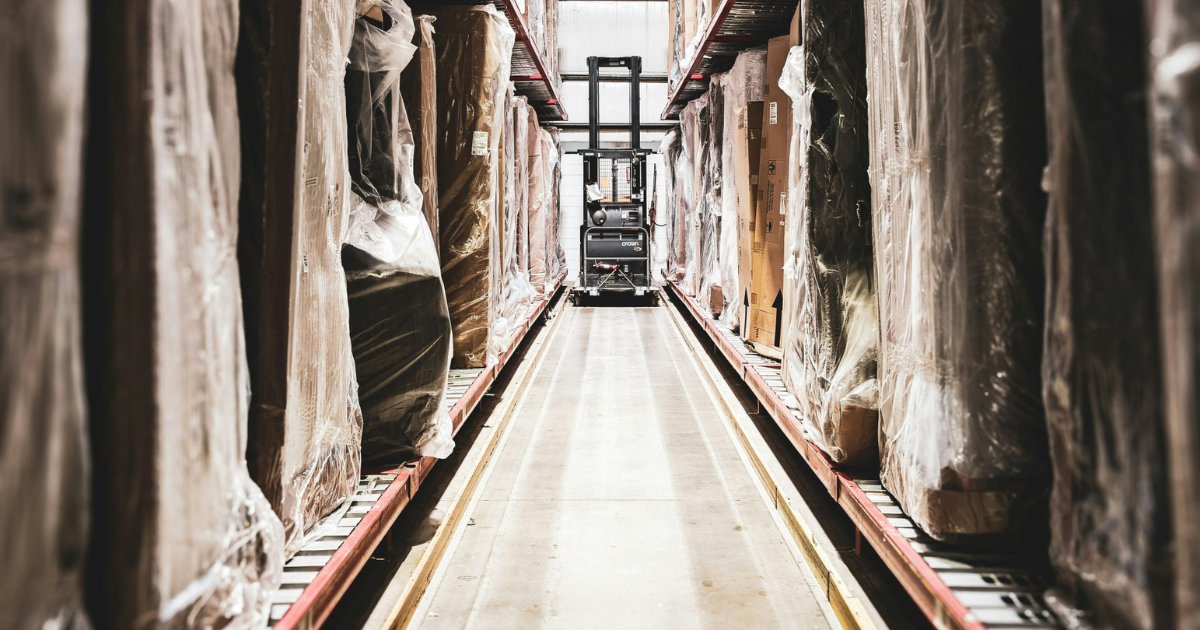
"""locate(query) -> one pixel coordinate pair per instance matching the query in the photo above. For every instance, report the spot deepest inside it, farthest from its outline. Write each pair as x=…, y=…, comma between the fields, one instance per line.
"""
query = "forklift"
x=615, y=235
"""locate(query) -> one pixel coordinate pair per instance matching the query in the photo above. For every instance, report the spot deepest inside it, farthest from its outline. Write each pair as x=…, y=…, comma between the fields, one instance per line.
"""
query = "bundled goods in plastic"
x=542, y=235
x=1101, y=383
x=1174, y=27
x=747, y=154
x=955, y=167
x=744, y=83
x=43, y=455
x=557, y=256
x=767, y=316
x=418, y=87
x=831, y=345
x=688, y=168
x=474, y=51
x=305, y=422
x=516, y=294
x=712, y=181
x=399, y=322
x=522, y=181
x=180, y=535
x=679, y=176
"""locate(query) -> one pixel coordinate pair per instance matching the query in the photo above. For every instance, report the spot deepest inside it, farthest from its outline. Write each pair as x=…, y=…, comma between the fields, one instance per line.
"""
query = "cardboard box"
x=766, y=288
x=747, y=152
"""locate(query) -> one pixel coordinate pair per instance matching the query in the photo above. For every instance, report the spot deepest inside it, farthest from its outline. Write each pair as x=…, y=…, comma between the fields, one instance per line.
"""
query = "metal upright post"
x=635, y=103
x=593, y=103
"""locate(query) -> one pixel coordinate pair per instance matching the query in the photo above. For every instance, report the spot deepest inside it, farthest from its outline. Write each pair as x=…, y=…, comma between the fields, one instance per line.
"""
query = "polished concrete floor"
x=620, y=501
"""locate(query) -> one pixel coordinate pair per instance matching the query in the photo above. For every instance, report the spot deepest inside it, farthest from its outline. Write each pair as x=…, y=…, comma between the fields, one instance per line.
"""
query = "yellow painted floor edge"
x=401, y=616
x=850, y=611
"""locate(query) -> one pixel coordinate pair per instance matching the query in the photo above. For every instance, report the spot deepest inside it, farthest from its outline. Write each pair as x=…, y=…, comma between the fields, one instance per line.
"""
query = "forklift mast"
x=614, y=237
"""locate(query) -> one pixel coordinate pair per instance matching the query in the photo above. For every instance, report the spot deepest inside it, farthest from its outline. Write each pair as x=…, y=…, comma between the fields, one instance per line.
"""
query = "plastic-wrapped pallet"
x=1109, y=522
x=690, y=168
x=399, y=322
x=515, y=292
x=1174, y=27
x=670, y=148
x=541, y=220
x=742, y=84
x=552, y=152
x=711, y=295
x=305, y=422
x=474, y=51
x=523, y=179
x=43, y=455
x=832, y=344
x=957, y=216
x=181, y=536
x=418, y=86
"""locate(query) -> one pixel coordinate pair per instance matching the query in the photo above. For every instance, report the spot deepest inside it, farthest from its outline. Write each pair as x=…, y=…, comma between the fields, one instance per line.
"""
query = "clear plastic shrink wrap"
x=712, y=180
x=540, y=217
x=957, y=149
x=305, y=422
x=516, y=295
x=181, y=536
x=44, y=470
x=399, y=322
x=1109, y=523
x=670, y=148
x=418, y=87
x=1175, y=89
x=474, y=51
x=742, y=84
x=523, y=191
x=689, y=171
x=552, y=153
x=832, y=345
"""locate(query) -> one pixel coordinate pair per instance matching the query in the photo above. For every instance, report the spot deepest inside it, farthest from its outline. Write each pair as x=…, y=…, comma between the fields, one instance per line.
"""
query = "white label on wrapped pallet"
x=774, y=120
x=479, y=144
x=782, y=204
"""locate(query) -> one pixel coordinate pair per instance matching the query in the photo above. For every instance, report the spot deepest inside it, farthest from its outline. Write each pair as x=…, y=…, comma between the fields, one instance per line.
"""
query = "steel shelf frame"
x=1003, y=592
x=383, y=496
x=735, y=26
x=530, y=73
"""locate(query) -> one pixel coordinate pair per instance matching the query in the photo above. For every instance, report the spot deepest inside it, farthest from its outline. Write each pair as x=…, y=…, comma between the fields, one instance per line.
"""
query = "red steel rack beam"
x=710, y=35
x=517, y=20
x=318, y=599
x=928, y=590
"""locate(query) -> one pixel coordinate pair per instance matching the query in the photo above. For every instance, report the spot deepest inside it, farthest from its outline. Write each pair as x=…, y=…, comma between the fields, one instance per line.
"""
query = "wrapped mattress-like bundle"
x=552, y=152
x=1109, y=523
x=957, y=148
x=305, y=422
x=399, y=323
x=832, y=345
x=540, y=205
x=743, y=83
x=181, y=536
x=474, y=52
x=44, y=507
x=692, y=122
x=1175, y=87
x=712, y=180
x=418, y=86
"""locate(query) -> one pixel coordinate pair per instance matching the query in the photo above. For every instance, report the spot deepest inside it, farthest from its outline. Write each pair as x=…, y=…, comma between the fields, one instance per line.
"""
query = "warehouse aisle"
x=620, y=500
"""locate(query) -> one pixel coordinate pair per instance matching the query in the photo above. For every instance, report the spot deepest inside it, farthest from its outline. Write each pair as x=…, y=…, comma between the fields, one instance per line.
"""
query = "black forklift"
x=615, y=236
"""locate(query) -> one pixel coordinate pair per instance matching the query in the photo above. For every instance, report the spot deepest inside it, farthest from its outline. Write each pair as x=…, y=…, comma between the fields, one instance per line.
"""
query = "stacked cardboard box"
x=43, y=454
x=956, y=165
x=766, y=289
x=181, y=536
x=831, y=343
x=747, y=152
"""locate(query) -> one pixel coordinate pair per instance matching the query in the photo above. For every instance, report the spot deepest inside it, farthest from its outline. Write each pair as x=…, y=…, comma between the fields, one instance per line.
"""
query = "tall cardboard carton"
x=747, y=151
x=766, y=288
